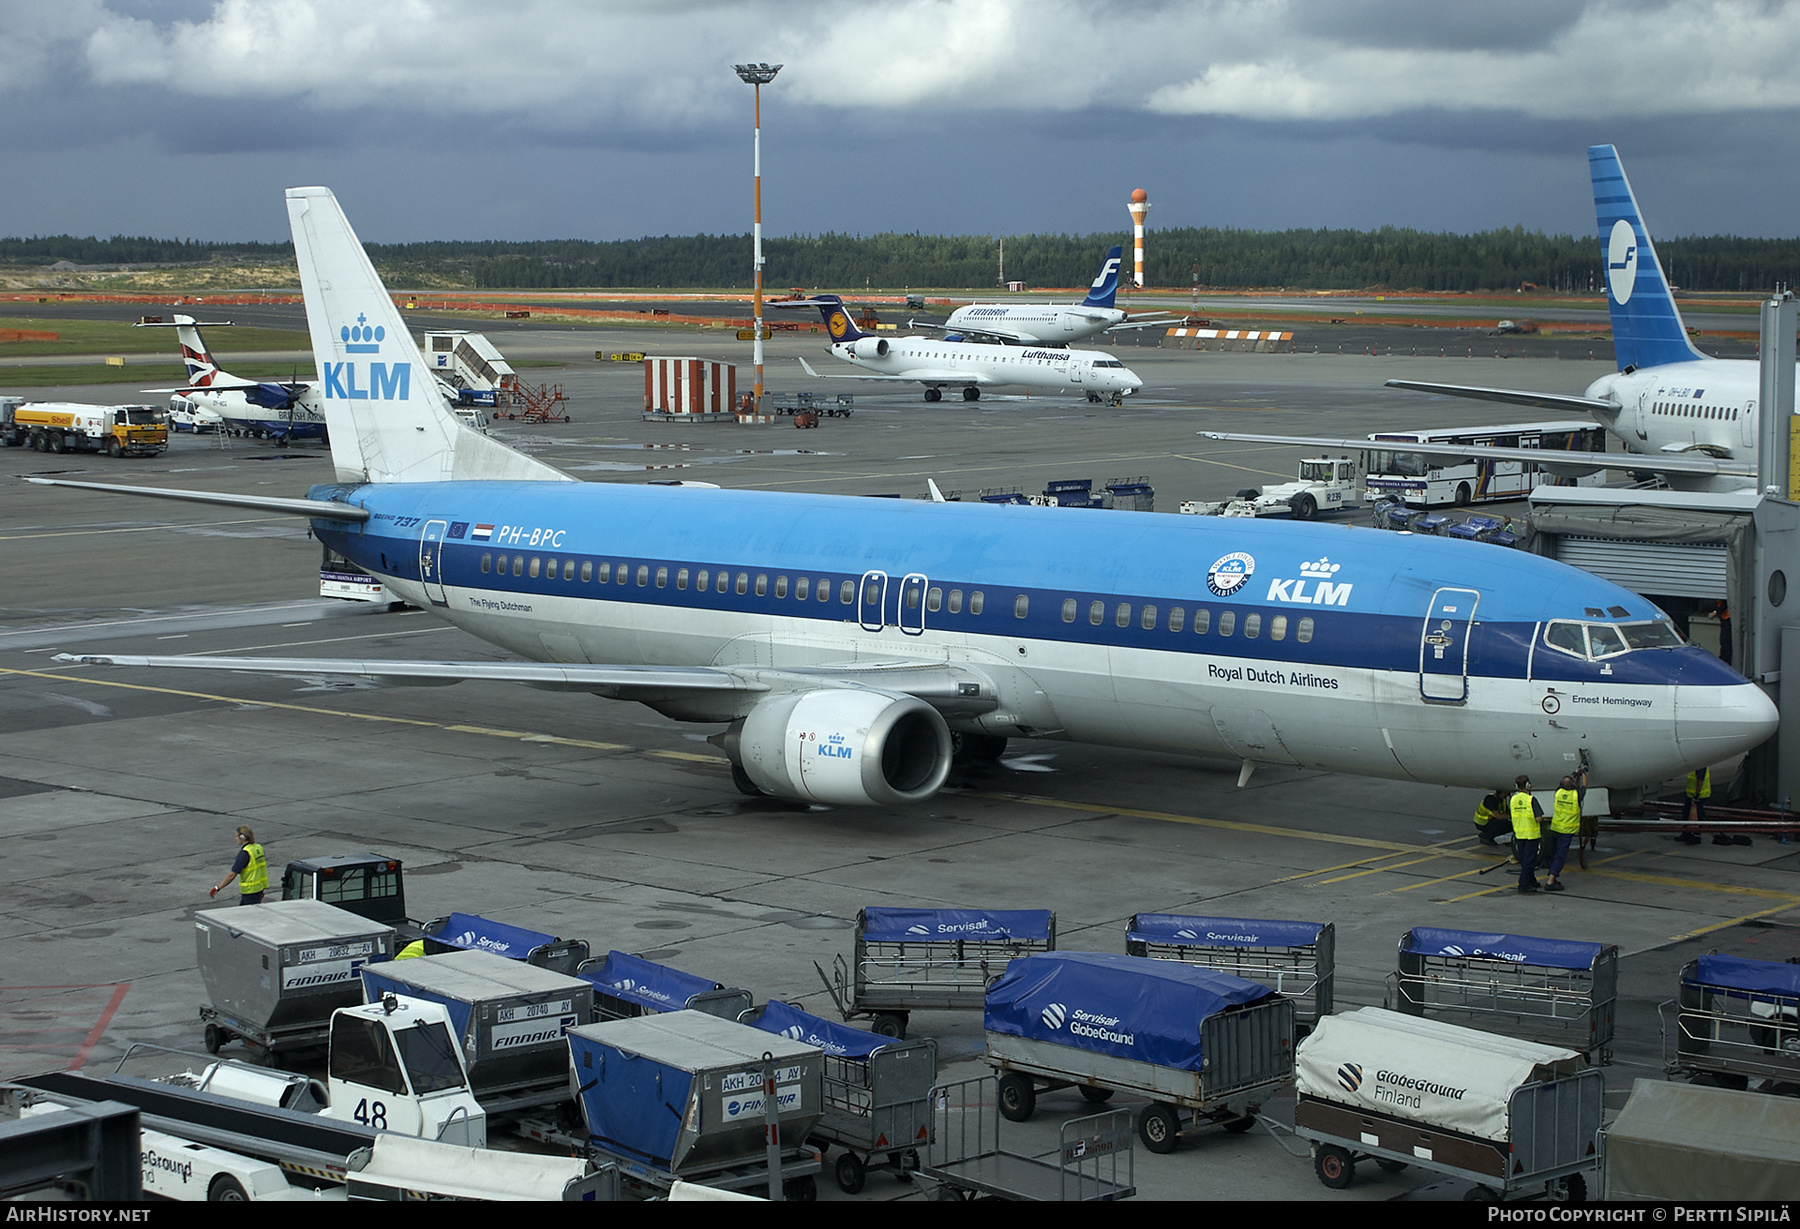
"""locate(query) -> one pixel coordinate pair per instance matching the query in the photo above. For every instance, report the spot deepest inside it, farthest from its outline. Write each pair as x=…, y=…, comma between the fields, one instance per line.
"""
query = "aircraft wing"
x=1558, y=460
x=949, y=689
x=1542, y=401
x=917, y=377
x=329, y=510
x=1162, y=320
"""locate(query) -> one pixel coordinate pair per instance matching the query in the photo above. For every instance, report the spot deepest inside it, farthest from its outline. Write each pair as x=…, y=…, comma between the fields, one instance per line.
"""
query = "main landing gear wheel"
x=1093, y=398
x=971, y=393
x=934, y=394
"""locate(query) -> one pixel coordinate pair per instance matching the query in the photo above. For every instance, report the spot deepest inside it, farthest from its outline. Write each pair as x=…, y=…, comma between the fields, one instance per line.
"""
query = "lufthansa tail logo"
x=839, y=324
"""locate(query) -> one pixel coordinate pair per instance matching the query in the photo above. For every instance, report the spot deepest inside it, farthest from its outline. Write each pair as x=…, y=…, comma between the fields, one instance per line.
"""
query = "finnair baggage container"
x=626, y=986
x=509, y=1016
x=1206, y=1047
x=275, y=972
x=1503, y=1112
x=680, y=1095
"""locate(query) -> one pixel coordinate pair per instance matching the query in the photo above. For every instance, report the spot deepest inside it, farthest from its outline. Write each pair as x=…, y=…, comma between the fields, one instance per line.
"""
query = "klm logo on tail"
x=384, y=381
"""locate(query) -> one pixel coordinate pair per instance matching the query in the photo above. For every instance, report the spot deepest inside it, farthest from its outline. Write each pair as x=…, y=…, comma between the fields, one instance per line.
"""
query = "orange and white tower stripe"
x=1139, y=207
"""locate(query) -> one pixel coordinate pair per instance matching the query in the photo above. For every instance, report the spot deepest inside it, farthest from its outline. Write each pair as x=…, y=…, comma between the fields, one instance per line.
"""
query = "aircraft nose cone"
x=1714, y=723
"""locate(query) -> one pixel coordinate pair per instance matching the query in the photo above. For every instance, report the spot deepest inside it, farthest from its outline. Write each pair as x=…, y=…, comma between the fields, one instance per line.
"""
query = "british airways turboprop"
x=1046, y=324
x=940, y=363
x=844, y=645
x=263, y=409
x=1691, y=418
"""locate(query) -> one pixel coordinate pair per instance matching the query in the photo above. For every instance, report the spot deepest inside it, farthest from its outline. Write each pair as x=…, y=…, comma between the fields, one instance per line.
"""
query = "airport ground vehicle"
x=818, y=405
x=274, y=973
x=1207, y=1048
x=1734, y=1020
x=64, y=426
x=1555, y=991
x=904, y=960
x=1427, y=480
x=877, y=1092
x=1095, y=1160
x=1294, y=959
x=1511, y=1116
x=681, y=1096
x=1325, y=484
x=370, y=885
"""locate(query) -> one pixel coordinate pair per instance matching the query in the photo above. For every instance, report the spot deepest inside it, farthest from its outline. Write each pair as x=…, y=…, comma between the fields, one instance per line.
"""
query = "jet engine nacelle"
x=869, y=347
x=845, y=747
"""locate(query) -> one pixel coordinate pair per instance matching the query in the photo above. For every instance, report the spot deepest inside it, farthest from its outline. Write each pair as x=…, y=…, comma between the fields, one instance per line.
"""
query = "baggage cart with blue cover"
x=905, y=960
x=1094, y=1160
x=467, y=933
x=508, y=1016
x=1295, y=959
x=1205, y=1047
x=275, y=972
x=679, y=1095
x=1735, y=1020
x=627, y=986
x=877, y=1092
x=1556, y=991
x=1511, y=1116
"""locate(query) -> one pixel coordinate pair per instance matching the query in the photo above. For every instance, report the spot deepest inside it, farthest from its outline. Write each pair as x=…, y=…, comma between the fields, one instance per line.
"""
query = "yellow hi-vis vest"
x=256, y=873
x=1700, y=784
x=1483, y=816
x=1567, y=816
x=1524, y=820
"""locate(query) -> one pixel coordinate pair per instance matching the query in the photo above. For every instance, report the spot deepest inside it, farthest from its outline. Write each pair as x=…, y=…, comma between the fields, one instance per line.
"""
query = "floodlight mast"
x=757, y=76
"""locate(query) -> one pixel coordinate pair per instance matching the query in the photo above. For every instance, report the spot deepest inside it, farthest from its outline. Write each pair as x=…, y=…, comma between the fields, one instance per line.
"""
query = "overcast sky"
x=537, y=119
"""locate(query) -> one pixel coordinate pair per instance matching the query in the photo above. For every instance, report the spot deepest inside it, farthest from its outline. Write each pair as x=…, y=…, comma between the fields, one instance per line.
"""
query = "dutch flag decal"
x=482, y=533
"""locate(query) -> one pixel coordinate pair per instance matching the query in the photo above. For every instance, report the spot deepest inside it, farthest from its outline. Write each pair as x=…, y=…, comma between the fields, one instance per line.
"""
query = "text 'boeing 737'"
x=842, y=667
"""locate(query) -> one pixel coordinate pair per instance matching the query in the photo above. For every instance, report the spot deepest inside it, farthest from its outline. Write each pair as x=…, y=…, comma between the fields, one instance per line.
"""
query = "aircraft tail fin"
x=387, y=418
x=201, y=369
x=1647, y=327
x=1106, y=286
x=837, y=318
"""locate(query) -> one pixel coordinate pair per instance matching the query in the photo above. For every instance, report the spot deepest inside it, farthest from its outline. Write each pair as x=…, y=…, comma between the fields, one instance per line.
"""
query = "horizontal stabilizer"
x=1512, y=396
x=328, y=510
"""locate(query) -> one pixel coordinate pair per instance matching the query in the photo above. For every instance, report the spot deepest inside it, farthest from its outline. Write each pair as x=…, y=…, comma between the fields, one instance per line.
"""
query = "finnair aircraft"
x=939, y=363
x=1045, y=324
x=846, y=646
x=263, y=409
x=1679, y=413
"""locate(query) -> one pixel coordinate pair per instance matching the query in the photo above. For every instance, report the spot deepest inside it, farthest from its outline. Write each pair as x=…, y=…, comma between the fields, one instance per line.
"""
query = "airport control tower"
x=1139, y=206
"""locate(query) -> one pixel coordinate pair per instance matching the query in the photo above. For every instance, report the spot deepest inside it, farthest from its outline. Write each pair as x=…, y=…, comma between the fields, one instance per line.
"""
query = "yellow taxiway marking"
x=484, y=731
x=1729, y=922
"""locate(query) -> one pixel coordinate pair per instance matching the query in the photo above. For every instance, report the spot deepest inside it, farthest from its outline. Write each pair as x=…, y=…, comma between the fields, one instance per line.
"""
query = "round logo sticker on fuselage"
x=1228, y=575
x=1622, y=261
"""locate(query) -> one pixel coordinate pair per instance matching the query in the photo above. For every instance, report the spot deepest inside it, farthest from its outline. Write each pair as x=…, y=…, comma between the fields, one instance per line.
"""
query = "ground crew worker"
x=1565, y=825
x=1527, y=832
x=250, y=869
x=1699, y=789
x=1490, y=816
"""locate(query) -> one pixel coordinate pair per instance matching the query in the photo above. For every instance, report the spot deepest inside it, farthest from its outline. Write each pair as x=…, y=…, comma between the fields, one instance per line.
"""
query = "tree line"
x=1211, y=257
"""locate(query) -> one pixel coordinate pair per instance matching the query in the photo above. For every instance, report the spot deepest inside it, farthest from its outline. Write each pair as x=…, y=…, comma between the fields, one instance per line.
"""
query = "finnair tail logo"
x=1108, y=271
x=1622, y=261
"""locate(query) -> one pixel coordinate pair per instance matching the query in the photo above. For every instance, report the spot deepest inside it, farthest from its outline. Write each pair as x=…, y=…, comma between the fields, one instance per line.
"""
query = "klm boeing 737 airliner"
x=846, y=644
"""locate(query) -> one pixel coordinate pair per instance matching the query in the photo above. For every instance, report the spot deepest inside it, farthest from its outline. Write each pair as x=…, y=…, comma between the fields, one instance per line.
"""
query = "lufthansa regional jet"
x=846, y=667
x=1046, y=324
x=1691, y=418
x=938, y=363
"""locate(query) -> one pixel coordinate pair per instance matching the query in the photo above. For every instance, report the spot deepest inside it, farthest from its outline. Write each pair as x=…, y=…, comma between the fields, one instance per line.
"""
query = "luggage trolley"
x=1095, y=1160
x=1207, y=1048
x=1511, y=1116
x=1549, y=990
x=627, y=986
x=1735, y=1020
x=1294, y=959
x=908, y=959
x=877, y=1092
x=467, y=933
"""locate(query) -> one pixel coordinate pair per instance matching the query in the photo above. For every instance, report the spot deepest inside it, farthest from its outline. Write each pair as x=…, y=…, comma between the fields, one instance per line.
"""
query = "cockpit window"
x=1601, y=640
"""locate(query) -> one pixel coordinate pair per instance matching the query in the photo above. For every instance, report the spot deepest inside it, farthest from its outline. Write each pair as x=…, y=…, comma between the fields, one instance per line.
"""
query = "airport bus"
x=1428, y=482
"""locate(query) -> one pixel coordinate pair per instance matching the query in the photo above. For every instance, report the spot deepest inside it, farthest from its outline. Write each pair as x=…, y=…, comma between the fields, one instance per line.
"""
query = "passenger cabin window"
x=681, y=579
x=1252, y=626
x=781, y=586
x=587, y=570
x=518, y=568
x=1069, y=608
x=976, y=602
x=762, y=584
x=1304, y=631
x=803, y=589
x=724, y=583
x=956, y=601
x=1278, y=628
x=743, y=583
x=534, y=567
x=1177, y=618
x=1097, y=613
x=703, y=582
x=1202, y=621
x=1227, y=621
x=643, y=574
x=662, y=578
x=1122, y=615
x=934, y=599
x=487, y=564
x=1147, y=620
x=606, y=573
x=824, y=590
x=1021, y=606
x=568, y=569
x=847, y=593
